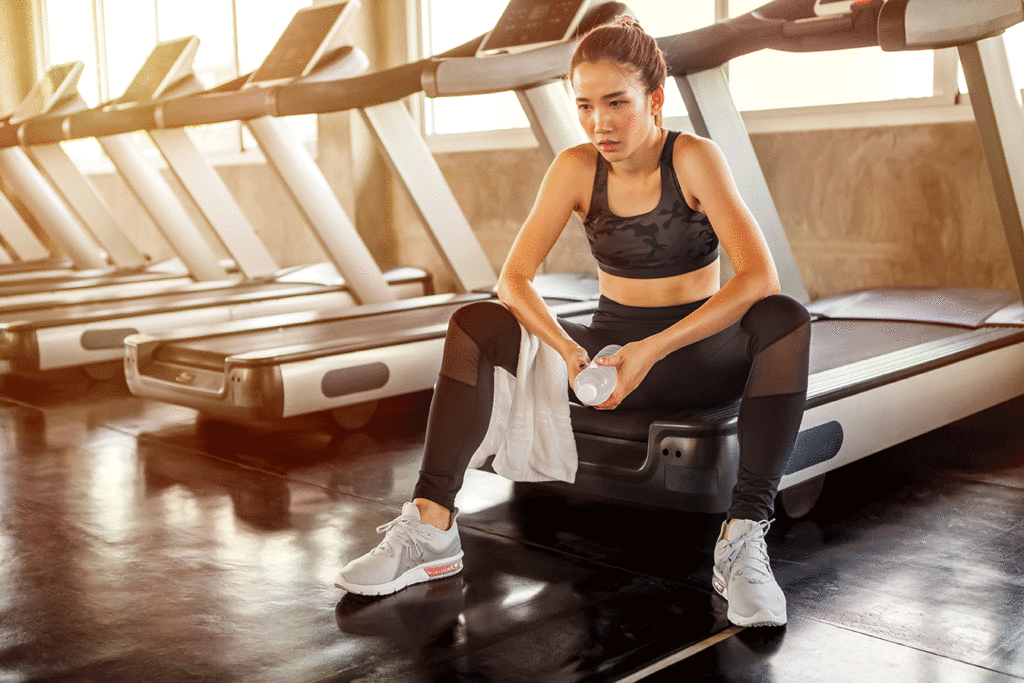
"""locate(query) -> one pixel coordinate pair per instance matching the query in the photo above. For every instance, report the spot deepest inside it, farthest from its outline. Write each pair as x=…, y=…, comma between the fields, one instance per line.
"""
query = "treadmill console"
x=305, y=40
x=167, y=64
x=58, y=83
x=529, y=24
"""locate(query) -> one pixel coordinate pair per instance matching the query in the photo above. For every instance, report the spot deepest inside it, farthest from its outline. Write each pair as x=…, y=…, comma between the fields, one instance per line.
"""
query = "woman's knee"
x=480, y=330
x=776, y=316
x=482, y=319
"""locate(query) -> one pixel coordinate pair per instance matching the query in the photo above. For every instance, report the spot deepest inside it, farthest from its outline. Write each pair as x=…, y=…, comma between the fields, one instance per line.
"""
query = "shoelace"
x=402, y=531
x=735, y=547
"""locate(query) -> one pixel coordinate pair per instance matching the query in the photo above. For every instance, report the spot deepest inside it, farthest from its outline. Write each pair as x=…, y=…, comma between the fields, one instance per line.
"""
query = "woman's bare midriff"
x=665, y=291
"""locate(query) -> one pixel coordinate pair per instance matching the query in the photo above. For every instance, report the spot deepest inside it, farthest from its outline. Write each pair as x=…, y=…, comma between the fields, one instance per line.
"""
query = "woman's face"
x=613, y=109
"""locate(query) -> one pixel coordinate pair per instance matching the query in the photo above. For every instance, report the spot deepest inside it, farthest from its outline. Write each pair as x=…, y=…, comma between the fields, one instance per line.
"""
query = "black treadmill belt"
x=153, y=304
x=835, y=343
x=63, y=283
x=211, y=352
x=314, y=338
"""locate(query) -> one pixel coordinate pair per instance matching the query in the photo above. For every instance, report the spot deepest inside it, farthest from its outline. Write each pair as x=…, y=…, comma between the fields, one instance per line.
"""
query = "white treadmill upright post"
x=998, y=112
x=63, y=226
x=18, y=237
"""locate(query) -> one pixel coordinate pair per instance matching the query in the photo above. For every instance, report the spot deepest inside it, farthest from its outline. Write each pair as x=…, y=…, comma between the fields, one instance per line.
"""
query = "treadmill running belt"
x=835, y=343
x=211, y=352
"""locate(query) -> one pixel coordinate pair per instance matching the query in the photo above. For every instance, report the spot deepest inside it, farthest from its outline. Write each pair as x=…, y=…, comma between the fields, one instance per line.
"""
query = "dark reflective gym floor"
x=138, y=543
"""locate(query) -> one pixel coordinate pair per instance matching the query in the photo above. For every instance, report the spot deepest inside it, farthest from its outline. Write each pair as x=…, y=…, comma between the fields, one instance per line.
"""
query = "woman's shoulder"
x=696, y=158
x=575, y=165
x=579, y=157
x=697, y=161
x=690, y=145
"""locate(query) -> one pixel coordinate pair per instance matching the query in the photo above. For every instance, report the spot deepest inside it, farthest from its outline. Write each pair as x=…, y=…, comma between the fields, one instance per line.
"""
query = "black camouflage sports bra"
x=671, y=239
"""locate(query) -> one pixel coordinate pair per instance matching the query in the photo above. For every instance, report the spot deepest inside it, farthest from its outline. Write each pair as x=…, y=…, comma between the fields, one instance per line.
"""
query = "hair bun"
x=627, y=20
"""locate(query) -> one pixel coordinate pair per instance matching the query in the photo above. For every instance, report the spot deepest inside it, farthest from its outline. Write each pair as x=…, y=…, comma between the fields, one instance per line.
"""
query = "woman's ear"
x=657, y=100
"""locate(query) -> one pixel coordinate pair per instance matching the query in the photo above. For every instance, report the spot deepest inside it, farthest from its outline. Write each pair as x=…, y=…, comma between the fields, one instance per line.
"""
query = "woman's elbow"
x=509, y=288
x=762, y=285
x=772, y=287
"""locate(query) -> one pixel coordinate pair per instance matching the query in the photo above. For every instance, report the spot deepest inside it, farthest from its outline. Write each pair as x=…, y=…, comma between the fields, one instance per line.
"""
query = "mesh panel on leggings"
x=461, y=360
x=782, y=367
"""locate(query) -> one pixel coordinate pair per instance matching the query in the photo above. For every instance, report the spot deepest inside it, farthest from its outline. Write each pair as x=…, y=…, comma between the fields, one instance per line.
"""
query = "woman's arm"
x=561, y=192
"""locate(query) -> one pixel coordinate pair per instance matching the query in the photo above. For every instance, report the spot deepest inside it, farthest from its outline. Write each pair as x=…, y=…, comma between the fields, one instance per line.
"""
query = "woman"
x=648, y=198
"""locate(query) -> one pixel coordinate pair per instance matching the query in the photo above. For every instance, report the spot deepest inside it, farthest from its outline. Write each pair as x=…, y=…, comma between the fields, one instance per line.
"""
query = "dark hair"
x=624, y=42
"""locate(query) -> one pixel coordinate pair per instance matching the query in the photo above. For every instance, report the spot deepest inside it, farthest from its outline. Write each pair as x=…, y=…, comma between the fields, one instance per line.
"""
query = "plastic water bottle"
x=595, y=383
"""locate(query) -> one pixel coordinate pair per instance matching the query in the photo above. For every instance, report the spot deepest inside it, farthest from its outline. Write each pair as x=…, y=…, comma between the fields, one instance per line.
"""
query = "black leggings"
x=761, y=360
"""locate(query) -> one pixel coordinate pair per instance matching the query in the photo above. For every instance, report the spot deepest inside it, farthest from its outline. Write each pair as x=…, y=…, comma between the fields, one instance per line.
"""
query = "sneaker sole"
x=764, y=617
x=437, y=569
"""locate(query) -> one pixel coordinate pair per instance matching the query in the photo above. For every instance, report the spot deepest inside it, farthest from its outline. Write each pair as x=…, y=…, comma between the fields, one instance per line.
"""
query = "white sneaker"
x=743, y=575
x=411, y=552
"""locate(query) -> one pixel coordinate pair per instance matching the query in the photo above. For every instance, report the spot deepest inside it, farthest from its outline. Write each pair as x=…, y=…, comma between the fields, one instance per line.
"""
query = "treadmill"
x=886, y=365
x=304, y=48
x=167, y=73
x=272, y=369
x=34, y=340
x=55, y=95
x=62, y=217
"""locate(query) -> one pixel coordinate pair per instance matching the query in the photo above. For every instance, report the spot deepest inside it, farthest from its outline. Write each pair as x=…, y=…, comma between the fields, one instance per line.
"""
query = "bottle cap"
x=587, y=393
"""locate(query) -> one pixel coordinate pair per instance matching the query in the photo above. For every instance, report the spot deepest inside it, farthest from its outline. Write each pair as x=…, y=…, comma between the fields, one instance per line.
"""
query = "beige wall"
x=902, y=206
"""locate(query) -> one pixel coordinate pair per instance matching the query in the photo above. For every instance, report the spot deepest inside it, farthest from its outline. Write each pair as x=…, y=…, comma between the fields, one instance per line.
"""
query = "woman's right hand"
x=576, y=359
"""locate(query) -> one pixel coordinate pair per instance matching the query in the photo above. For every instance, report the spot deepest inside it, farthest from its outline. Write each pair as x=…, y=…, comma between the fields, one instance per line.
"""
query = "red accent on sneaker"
x=440, y=571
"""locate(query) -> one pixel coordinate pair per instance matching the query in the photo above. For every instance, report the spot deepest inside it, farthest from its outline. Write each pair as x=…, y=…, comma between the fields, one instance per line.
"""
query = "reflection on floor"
x=140, y=543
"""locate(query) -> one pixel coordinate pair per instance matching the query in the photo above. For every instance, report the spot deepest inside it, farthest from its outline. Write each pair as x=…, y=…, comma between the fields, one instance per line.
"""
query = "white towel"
x=530, y=433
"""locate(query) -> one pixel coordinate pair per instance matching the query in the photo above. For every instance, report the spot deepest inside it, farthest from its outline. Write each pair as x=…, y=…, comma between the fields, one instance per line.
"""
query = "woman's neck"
x=647, y=157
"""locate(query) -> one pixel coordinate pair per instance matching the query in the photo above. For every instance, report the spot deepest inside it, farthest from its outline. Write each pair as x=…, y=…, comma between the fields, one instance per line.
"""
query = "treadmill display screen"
x=48, y=90
x=304, y=40
x=529, y=23
x=161, y=63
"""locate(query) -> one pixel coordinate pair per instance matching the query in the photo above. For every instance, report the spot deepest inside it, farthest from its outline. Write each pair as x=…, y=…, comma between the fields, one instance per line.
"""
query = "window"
x=113, y=37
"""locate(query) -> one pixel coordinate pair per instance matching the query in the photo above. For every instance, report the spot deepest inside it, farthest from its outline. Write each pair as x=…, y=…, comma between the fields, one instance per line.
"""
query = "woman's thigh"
x=708, y=373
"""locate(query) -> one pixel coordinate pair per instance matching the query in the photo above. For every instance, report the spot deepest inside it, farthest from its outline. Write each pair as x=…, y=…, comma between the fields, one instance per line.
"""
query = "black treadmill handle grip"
x=360, y=92
x=788, y=25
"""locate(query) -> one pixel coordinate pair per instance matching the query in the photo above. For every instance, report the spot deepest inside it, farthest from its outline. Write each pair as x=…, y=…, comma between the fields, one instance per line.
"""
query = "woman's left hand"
x=632, y=363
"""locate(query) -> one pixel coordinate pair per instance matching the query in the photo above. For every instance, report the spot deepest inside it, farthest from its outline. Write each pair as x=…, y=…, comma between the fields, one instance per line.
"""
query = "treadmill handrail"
x=103, y=120
x=187, y=104
x=904, y=24
x=365, y=91
x=788, y=25
x=454, y=76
